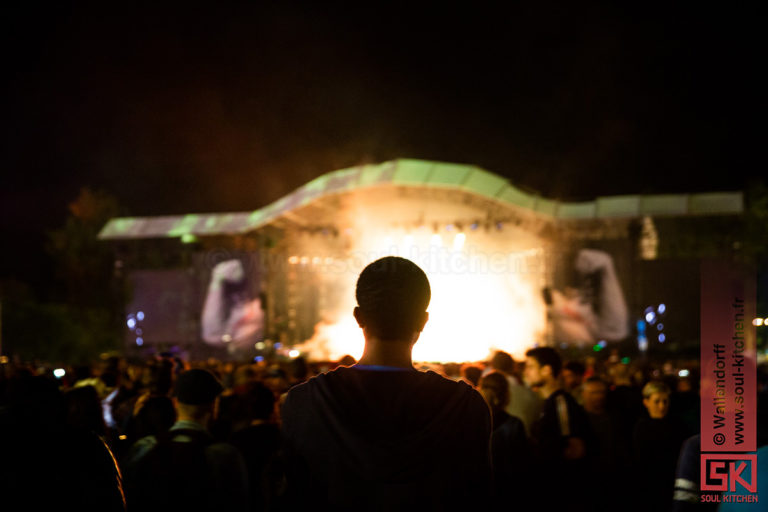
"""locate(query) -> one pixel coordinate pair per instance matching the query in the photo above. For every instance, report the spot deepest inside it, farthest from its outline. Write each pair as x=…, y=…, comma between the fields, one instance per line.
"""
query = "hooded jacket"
x=373, y=438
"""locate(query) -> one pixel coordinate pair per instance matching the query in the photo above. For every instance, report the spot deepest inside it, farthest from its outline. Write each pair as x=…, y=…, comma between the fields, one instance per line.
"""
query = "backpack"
x=174, y=474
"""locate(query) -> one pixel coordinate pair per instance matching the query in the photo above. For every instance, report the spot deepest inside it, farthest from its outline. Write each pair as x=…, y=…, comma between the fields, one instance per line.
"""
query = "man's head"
x=471, y=374
x=542, y=366
x=594, y=393
x=502, y=361
x=495, y=389
x=392, y=298
x=257, y=402
x=196, y=392
x=573, y=374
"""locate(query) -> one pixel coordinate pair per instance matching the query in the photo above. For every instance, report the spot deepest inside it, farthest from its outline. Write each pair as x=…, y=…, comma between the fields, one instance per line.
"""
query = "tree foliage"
x=84, y=265
x=85, y=319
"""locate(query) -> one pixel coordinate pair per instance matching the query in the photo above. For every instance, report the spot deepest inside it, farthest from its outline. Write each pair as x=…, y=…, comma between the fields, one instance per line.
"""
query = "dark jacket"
x=386, y=439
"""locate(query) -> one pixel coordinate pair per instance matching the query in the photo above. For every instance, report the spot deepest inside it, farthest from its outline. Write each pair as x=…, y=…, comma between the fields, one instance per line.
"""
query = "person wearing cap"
x=381, y=435
x=224, y=484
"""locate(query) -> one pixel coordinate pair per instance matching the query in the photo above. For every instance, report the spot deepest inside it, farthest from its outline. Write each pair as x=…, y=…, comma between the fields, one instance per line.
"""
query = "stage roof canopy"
x=421, y=173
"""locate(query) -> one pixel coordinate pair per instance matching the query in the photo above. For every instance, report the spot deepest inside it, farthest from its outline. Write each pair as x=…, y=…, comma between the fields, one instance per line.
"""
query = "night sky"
x=226, y=107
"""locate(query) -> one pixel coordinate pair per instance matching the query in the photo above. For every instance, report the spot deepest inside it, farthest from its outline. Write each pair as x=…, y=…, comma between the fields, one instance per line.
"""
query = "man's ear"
x=359, y=317
x=546, y=371
x=423, y=321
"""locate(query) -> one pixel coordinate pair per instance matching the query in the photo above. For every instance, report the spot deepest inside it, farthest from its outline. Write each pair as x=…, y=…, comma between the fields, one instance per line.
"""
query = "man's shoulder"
x=562, y=395
x=316, y=381
x=421, y=382
x=298, y=399
x=460, y=396
x=450, y=385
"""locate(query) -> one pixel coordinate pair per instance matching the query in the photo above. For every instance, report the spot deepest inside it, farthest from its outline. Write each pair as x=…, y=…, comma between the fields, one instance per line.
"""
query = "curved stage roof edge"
x=423, y=173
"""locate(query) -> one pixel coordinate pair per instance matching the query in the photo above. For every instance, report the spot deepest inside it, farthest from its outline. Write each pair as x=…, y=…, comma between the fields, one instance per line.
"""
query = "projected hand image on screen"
x=231, y=316
x=587, y=314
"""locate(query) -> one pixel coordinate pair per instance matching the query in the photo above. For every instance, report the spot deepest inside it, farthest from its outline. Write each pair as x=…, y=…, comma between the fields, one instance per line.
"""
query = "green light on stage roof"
x=624, y=360
x=597, y=348
x=184, y=225
x=188, y=238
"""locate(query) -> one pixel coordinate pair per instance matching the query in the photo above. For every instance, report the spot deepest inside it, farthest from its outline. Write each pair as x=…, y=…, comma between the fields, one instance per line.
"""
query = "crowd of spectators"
x=84, y=435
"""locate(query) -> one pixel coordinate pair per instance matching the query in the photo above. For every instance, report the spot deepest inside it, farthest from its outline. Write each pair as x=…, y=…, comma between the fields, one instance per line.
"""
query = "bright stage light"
x=458, y=241
x=482, y=301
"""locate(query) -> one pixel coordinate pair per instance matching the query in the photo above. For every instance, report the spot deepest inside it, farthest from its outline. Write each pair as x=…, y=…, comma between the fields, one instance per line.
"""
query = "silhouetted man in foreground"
x=381, y=435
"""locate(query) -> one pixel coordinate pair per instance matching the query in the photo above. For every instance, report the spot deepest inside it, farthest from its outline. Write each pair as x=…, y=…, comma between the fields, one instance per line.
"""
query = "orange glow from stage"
x=486, y=295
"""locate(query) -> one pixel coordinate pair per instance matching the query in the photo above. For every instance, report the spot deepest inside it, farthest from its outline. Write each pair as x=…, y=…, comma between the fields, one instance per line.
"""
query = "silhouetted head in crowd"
x=656, y=399
x=495, y=389
x=573, y=374
x=256, y=403
x=503, y=362
x=542, y=369
x=196, y=393
x=298, y=370
x=472, y=373
x=159, y=379
x=84, y=409
x=110, y=378
x=243, y=375
x=276, y=379
x=593, y=394
x=392, y=298
x=156, y=416
x=36, y=402
x=620, y=374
